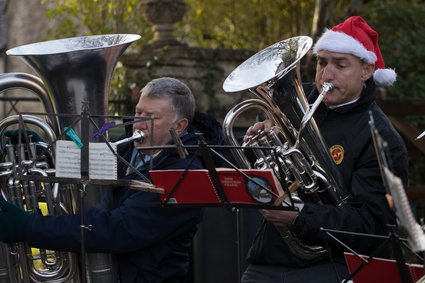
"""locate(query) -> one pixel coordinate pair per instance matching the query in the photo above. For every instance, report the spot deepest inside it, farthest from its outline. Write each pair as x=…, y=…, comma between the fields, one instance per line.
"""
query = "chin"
x=328, y=100
x=137, y=144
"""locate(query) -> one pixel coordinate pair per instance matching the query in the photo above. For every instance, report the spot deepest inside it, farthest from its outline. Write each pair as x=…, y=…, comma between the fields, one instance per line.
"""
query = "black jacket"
x=152, y=243
x=366, y=210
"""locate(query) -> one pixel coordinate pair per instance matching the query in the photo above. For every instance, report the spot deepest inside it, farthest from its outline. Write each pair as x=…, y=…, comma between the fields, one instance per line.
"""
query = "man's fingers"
x=254, y=129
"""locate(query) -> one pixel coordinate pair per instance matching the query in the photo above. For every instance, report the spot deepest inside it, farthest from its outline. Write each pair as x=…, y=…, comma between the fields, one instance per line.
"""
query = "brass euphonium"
x=294, y=148
x=72, y=72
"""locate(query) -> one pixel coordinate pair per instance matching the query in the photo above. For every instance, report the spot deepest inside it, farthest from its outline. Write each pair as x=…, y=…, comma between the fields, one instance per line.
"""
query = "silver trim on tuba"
x=272, y=75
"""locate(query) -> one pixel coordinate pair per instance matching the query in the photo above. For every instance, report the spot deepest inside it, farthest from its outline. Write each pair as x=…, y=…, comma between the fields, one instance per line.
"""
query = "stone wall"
x=24, y=22
x=204, y=70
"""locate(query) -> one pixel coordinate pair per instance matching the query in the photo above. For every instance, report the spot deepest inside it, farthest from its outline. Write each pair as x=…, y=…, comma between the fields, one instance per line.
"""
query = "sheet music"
x=68, y=159
x=102, y=162
x=404, y=212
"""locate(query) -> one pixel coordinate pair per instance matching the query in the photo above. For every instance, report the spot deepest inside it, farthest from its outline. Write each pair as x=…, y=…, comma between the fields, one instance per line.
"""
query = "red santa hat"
x=356, y=37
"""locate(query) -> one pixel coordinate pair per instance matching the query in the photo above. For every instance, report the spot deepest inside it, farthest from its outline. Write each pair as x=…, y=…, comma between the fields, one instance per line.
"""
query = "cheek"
x=161, y=137
x=160, y=130
x=318, y=75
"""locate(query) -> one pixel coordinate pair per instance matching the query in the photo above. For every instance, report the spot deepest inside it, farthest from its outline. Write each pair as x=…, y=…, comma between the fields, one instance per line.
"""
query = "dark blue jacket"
x=152, y=243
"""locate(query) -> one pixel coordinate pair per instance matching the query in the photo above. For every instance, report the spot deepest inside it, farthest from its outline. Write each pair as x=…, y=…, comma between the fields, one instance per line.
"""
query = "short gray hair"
x=180, y=95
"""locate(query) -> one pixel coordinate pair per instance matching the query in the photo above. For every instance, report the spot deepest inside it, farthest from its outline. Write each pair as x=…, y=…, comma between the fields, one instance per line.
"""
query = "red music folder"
x=243, y=187
x=381, y=270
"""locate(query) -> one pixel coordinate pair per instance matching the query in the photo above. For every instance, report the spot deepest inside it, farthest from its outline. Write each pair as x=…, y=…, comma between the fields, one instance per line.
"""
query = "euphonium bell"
x=294, y=148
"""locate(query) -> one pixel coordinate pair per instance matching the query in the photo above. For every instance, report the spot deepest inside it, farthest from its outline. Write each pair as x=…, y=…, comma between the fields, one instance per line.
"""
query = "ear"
x=367, y=71
x=181, y=125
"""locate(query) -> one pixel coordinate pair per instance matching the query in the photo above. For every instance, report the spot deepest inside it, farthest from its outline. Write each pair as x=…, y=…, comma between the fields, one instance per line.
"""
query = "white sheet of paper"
x=68, y=159
x=102, y=162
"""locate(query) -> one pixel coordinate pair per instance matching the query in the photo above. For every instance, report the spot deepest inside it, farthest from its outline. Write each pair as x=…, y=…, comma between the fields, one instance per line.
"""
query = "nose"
x=327, y=73
x=141, y=125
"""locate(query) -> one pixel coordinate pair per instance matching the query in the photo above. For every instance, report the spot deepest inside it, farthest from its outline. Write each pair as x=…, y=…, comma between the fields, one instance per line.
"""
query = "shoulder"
x=170, y=158
x=208, y=126
x=384, y=125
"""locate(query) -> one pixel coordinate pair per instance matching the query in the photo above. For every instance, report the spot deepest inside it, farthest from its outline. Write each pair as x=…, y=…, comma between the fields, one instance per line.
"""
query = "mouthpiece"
x=327, y=87
x=138, y=135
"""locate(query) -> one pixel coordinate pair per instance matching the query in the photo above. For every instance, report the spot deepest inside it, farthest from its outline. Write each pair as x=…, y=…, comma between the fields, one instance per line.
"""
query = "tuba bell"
x=72, y=73
x=294, y=147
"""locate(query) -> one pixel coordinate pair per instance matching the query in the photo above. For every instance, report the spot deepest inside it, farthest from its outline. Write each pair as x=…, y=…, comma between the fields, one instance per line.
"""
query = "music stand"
x=206, y=152
x=229, y=187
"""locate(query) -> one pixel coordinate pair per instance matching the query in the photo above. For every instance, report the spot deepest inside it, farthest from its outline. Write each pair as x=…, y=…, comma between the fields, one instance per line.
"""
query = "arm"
x=367, y=210
x=138, y=223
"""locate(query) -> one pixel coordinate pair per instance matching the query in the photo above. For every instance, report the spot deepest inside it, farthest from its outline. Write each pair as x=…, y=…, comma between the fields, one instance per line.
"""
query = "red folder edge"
x=381, y=270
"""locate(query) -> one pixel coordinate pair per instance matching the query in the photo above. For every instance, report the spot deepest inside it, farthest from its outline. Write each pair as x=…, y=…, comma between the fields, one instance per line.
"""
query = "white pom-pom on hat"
x=385, y=77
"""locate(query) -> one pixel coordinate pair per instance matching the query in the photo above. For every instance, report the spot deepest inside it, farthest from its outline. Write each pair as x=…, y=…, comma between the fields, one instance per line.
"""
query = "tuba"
x=294, y=147
x=73, y=74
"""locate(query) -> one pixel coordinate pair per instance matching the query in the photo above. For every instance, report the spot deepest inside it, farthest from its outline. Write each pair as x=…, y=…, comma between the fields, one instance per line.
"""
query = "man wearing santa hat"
x=348, y=57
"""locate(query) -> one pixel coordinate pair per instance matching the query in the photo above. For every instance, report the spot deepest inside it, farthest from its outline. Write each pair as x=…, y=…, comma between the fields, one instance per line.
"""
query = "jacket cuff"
x=299, y=222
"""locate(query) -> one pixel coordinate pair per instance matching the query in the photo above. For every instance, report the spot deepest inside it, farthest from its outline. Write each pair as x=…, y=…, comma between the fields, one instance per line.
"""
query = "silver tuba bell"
x=299, y=157
x=72, y=72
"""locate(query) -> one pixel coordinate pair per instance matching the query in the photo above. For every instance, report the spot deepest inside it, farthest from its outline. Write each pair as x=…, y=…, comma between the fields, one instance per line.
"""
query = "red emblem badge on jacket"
x=337, y=153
